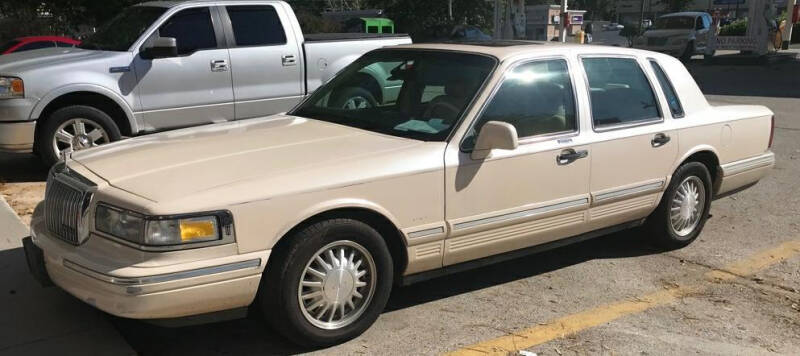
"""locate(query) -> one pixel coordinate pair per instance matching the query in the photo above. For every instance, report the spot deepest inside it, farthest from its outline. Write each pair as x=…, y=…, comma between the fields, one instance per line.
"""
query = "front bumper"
x=17, y=136
x=162, y=285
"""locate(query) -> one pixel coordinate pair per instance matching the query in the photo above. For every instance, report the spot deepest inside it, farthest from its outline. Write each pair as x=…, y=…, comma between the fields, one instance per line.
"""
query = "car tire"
x=352, y=98
x=290, y=292
x=65, y=120
x=688, y=52
x=674, y=224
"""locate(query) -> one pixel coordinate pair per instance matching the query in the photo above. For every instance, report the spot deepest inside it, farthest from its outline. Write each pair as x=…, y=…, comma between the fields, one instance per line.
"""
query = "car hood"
x=667, y=33
x=15, y=63
x=273, y=155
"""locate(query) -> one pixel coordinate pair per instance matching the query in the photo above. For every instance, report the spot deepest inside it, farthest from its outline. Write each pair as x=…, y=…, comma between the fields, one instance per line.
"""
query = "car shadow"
x=21, y=167
x=252, y=335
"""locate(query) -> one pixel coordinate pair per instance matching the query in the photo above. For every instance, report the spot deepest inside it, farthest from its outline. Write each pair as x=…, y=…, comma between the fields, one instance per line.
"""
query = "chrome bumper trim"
x=736, y=167
x=131, y=281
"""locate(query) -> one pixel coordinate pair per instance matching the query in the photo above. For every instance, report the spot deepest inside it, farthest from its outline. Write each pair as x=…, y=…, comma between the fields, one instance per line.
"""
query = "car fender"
x=92, y=88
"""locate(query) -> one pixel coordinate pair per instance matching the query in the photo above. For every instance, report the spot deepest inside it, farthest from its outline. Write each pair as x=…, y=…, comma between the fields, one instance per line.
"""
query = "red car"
x=36, y=42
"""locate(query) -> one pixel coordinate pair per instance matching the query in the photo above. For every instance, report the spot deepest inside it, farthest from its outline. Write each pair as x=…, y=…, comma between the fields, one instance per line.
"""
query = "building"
x=543, y=21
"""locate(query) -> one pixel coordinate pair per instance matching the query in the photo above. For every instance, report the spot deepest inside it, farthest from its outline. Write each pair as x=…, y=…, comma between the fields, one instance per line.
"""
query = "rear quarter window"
x=674, y=102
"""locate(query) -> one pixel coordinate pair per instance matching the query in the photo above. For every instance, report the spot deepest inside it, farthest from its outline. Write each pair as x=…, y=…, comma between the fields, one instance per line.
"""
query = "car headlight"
x=11, y=87
x=162, y=230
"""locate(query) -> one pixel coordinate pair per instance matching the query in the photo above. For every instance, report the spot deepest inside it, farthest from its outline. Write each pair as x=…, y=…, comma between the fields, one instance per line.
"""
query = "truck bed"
x=333, y=37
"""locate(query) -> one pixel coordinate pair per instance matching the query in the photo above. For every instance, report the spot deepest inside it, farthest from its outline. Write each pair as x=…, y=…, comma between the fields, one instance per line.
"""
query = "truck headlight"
x=162, y=230
x=11, y=87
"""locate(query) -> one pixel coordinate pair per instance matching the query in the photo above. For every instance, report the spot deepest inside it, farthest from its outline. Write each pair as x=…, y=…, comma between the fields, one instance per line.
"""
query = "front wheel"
x=684, y=208
x=328, y=283
x=74, y=128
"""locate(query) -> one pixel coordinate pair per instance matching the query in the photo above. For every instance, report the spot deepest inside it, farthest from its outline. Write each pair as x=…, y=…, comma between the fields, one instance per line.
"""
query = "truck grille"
x=65, y=205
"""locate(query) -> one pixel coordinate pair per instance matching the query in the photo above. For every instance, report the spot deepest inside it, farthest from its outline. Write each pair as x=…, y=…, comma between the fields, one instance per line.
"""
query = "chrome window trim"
x=160, y=278
x=426, y=232
x=747, y=164
x=534, y=138
x=520, y=214
x=682, y=114
x=627, y=192
x=627, y=125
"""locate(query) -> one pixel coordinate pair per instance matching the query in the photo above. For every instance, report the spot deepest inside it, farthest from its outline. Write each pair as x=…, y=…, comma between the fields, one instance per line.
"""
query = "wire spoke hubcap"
x=78, y=134
x=337, y=285
x=356, y=102
x=687, y=206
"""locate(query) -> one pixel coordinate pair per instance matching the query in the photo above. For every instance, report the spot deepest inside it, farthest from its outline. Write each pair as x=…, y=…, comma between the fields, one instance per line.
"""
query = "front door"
x=632, y=151
x=533, y=194
x=266, y=61
x=193, y=88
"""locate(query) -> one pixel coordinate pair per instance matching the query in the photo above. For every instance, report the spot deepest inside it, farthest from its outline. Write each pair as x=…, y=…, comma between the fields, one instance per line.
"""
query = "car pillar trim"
x=168, y=277
x=521, y=214
x=736, y=167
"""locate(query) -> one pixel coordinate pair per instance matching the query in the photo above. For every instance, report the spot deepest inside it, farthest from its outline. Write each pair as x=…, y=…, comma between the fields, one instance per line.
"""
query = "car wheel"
x=328, y=283
x=74, y=128
x=352, y=98
x=684, y=208
x=688, y=52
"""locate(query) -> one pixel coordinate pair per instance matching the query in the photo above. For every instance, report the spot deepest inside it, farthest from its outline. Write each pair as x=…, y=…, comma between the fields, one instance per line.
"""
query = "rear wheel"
x=329, y=283
x=74, y=128
x=353, y=98
x=684, y=208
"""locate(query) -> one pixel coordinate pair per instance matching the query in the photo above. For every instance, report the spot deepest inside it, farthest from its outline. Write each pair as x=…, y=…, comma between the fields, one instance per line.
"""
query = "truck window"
x=256, y=25
x=387, y=29
x=192, y=30
x=372, y=29
x=619, y=92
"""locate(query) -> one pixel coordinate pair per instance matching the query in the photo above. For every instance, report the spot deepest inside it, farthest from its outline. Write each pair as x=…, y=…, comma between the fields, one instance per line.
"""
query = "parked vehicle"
x=681, y=34
x=30, y=43
x=164, y=65
x=369, y=25
x=480, y=156
x=613, y=27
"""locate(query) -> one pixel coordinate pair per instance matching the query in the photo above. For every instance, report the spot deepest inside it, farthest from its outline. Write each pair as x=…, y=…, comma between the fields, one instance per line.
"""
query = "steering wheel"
x=444, y=105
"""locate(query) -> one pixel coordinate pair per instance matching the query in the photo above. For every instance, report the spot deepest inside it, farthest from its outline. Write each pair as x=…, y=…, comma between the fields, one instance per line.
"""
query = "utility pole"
x=641, y=18
x=496, y=33
x=562, y=29
x=787, y=32
x=450, y=9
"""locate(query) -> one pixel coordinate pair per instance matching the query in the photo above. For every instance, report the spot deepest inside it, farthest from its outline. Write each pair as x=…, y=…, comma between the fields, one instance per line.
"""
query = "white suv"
x=681, y=34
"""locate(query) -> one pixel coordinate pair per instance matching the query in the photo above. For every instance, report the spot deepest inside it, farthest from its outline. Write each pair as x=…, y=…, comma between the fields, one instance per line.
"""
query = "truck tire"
x=683, y=210
x=328, y=283
x=74, y=127
x=352, y=98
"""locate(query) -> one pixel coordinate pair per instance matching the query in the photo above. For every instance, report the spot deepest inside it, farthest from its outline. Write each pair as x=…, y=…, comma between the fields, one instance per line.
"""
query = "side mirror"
x=495, y=135
x=162, y=47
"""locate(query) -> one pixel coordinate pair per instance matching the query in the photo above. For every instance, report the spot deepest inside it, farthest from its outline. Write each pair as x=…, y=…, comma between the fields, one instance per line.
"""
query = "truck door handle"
x=219, y=65
x=288, y=60
x=569, y=155
x=659, y=140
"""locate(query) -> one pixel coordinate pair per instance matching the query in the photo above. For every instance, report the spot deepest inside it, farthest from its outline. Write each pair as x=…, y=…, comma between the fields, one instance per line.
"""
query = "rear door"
x=632, y=150
x=265, y=60
x=193, y=88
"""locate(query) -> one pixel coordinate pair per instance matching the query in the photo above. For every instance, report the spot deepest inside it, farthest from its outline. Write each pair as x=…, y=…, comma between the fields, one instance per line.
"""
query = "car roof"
x=685, y=13
x=507, y=49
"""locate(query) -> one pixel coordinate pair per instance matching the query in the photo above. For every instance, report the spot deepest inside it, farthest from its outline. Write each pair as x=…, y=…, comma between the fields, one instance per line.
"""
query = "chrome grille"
x=66, y=199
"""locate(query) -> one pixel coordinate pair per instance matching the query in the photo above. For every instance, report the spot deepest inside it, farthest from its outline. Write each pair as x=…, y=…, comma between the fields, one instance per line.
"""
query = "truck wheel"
x=684, y=208
x=352, y=98
x=74, y=128
x=688, y=52
x=328, y=284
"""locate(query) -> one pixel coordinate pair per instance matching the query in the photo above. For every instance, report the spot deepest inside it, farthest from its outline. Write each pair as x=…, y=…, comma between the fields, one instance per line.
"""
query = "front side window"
x=435, y=89
x=666, y=86
x=619, y=91
x=674, y=23
x=536, y=98
x=256, y=25
x=192, y=30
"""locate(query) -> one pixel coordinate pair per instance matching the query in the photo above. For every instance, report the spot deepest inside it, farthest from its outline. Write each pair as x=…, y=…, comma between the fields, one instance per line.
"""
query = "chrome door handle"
x=288, y=60
x=219, y=65
x=569, y=155
x=659, y=140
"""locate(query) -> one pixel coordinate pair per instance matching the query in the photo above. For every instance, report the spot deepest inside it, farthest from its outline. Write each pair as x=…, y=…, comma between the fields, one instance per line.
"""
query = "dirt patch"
x=23, y=197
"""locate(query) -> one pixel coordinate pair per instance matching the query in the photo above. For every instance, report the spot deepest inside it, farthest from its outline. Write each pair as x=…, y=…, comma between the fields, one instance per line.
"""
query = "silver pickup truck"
x=169, y=64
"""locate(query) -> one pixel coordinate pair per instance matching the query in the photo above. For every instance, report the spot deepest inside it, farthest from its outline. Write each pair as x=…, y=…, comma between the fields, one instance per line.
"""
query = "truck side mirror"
x=161, y=47
x=495, y=135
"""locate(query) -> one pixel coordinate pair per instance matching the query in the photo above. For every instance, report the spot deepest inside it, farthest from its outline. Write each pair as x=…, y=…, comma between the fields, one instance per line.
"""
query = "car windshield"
x=123, y=30
x=407, y=93
x=6, y=46
x=674, y=23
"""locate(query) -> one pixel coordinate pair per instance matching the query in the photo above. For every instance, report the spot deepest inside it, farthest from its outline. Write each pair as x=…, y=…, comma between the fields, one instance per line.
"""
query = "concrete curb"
x=40, y=321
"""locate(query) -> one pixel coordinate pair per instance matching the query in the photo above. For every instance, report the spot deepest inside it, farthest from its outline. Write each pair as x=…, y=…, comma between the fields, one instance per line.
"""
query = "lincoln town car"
x=475, y=153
